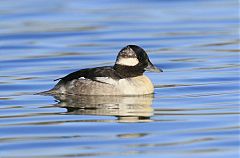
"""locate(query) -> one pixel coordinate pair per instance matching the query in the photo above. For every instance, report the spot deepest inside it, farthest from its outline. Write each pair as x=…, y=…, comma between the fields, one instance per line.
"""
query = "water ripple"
x=195, y=108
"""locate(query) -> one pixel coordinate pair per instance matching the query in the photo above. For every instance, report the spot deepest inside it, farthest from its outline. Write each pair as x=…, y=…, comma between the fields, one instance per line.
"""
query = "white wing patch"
x=107, y=80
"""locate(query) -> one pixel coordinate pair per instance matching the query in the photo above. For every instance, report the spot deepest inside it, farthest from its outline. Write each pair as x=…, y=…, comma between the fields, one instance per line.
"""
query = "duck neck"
x=128, y=71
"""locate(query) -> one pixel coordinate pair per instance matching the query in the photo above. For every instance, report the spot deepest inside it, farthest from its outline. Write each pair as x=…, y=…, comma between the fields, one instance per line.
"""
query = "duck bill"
x=152, y=68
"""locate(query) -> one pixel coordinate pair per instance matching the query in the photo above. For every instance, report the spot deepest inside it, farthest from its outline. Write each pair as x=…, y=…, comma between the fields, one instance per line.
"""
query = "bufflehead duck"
x=124, y=78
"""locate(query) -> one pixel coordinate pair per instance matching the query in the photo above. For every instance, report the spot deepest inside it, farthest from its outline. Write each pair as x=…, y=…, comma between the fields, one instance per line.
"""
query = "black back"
x=91, y=73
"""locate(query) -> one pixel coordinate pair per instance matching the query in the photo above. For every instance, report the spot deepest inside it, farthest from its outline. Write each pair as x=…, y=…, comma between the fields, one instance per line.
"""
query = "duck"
x=125, y=78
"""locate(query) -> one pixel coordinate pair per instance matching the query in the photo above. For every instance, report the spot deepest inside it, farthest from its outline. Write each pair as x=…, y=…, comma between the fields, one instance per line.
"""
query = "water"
x=195, y=109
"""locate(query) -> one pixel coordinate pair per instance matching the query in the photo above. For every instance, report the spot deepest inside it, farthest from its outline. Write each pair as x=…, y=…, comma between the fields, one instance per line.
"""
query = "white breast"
x=136, y=86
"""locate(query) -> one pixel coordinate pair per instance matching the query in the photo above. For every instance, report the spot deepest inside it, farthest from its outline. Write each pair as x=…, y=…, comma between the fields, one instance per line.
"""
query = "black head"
x=132, y=61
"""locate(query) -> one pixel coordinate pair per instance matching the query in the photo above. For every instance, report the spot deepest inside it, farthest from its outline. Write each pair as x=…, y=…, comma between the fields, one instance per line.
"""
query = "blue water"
x=193, y=113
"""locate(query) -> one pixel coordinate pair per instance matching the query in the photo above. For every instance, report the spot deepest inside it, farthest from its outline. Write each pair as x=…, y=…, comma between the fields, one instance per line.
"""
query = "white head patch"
x=127, y=57
x=127, y=61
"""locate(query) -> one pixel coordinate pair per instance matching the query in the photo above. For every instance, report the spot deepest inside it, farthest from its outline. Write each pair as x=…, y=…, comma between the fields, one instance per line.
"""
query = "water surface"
x=195, y=108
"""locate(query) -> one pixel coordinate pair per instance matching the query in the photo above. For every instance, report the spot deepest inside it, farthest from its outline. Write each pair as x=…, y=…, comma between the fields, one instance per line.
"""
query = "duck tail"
x=49, y=92
x=55, y=90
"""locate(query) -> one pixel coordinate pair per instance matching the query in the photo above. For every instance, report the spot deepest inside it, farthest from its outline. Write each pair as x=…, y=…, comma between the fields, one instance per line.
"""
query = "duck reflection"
x=125, y=108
